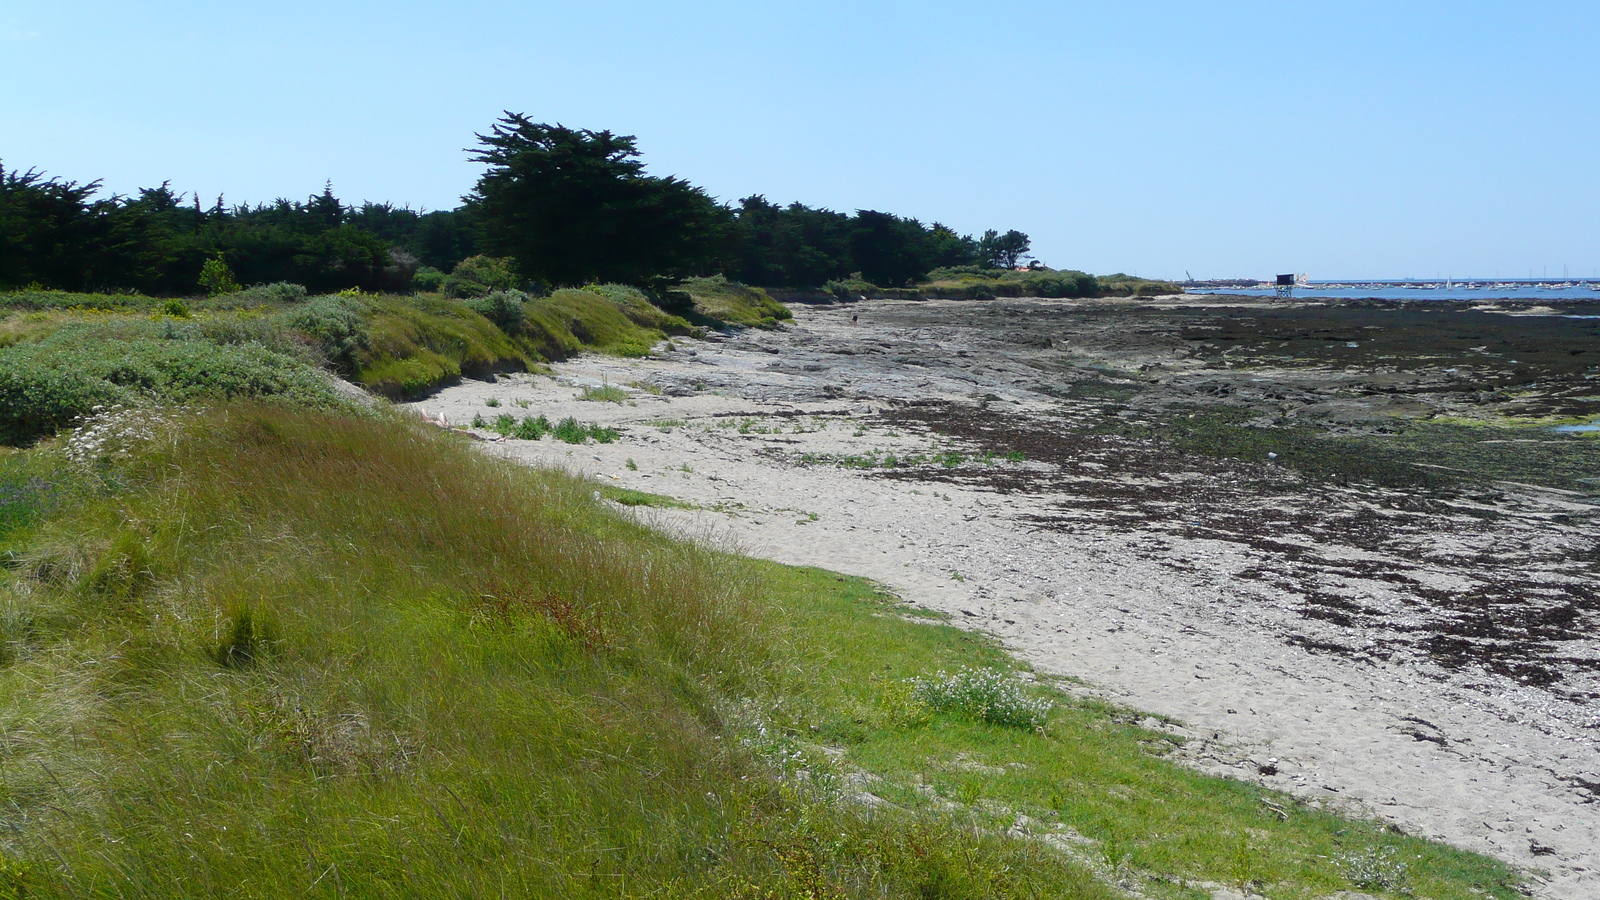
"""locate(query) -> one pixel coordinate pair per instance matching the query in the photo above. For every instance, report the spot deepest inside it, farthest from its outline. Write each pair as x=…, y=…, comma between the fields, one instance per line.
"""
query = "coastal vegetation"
x=971, y=282
x=554, y=207
x=444, y=674
x=262, y=634
x=62, y=355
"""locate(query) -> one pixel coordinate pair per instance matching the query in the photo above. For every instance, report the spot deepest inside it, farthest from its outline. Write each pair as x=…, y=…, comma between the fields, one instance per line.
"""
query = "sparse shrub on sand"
x=605, y=393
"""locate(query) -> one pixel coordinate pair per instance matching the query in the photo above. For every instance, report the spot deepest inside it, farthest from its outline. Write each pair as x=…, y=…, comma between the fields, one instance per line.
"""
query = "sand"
x=1191, y=624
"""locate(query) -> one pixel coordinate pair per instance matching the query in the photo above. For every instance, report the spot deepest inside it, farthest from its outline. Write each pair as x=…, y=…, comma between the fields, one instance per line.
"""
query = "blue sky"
x=1340, y=139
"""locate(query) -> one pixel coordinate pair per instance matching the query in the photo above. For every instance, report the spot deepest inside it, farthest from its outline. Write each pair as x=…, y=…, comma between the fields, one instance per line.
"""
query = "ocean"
x=1524, y=291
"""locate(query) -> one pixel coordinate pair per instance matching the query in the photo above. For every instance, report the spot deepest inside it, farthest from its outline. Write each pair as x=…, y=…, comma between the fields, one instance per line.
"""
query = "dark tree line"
x=58, y=234
x=566, y=206
x=572, y=206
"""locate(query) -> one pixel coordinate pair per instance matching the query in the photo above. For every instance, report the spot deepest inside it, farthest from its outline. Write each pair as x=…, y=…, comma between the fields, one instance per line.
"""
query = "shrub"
x=850, y=288
x=1056, y=286
x=531, y=429
x=38, y=397
x=39, y=298
x=46, y=385
x=281, y=292
x=562, y=324
x=503, y=308
x=477, y=276
x=337, y=323
x=677, y=301
x=572, y=431
x=428, y=280
x=419, y=343
x=216, y=278
x=988, y=695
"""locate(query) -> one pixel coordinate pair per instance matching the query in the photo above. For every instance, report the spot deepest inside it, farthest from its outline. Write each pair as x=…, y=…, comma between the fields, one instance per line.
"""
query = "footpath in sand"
x=1288, y=661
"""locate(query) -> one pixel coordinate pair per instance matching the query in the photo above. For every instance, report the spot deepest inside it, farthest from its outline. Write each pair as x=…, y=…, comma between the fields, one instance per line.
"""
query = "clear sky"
x=1343, y=139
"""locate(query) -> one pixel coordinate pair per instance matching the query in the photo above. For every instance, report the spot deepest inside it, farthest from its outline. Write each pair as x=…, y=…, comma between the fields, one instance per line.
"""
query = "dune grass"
x=720, y=303
x=310, y=655
x=276, y=653
x=418, y=343
x=63, y=354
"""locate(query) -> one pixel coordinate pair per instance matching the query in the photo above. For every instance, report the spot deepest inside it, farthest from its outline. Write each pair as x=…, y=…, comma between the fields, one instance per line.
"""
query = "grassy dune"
x=261, y=651
x=63, y=354
x=719, y=302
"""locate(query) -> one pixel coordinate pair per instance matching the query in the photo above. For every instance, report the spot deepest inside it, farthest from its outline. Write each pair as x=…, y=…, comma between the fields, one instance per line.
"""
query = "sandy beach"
x=1306, y=636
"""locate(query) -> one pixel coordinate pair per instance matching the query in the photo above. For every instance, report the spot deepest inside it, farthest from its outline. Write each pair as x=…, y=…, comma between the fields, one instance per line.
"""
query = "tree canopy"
x=1002, y=251
x=575, y=206
x=564, y=206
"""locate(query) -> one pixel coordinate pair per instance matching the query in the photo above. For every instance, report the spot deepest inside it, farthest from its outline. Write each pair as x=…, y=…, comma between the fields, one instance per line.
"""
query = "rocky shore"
x=1371, y=621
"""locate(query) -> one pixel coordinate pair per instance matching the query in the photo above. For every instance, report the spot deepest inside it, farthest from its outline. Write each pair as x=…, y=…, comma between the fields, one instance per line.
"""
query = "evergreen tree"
x=572, y=207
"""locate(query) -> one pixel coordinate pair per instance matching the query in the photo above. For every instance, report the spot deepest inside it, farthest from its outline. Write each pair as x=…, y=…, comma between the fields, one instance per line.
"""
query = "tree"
x=49, y=230
x=573, y=207
x=1002, y=250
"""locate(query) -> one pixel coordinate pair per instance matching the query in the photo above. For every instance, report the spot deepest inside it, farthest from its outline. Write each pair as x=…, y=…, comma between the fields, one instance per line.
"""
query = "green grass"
x=629, y=497
x=284, y=653
x=1092, y=769
x=637, y=307
x=605, y=393
x=420, y=343
x=569, y=321
x=721, y=302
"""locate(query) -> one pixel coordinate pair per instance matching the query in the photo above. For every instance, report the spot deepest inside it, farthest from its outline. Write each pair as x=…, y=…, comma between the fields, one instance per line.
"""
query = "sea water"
x=1428, y=290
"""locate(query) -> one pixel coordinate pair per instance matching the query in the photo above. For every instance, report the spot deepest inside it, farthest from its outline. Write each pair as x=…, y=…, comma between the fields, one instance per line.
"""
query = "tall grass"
x=721, y=302
x=309, y=655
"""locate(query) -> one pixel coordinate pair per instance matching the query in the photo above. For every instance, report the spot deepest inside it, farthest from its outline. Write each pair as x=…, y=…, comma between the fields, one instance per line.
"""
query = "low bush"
x=278, y=293
x=572, y=431
x=478, y=276
x=47, y=384
x=428, y=280
x=503, y=308
x=850, y=288
x=39, y=298
x=38, y=396
x=975, y=283
x=1123, y=285
x=337, y=324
